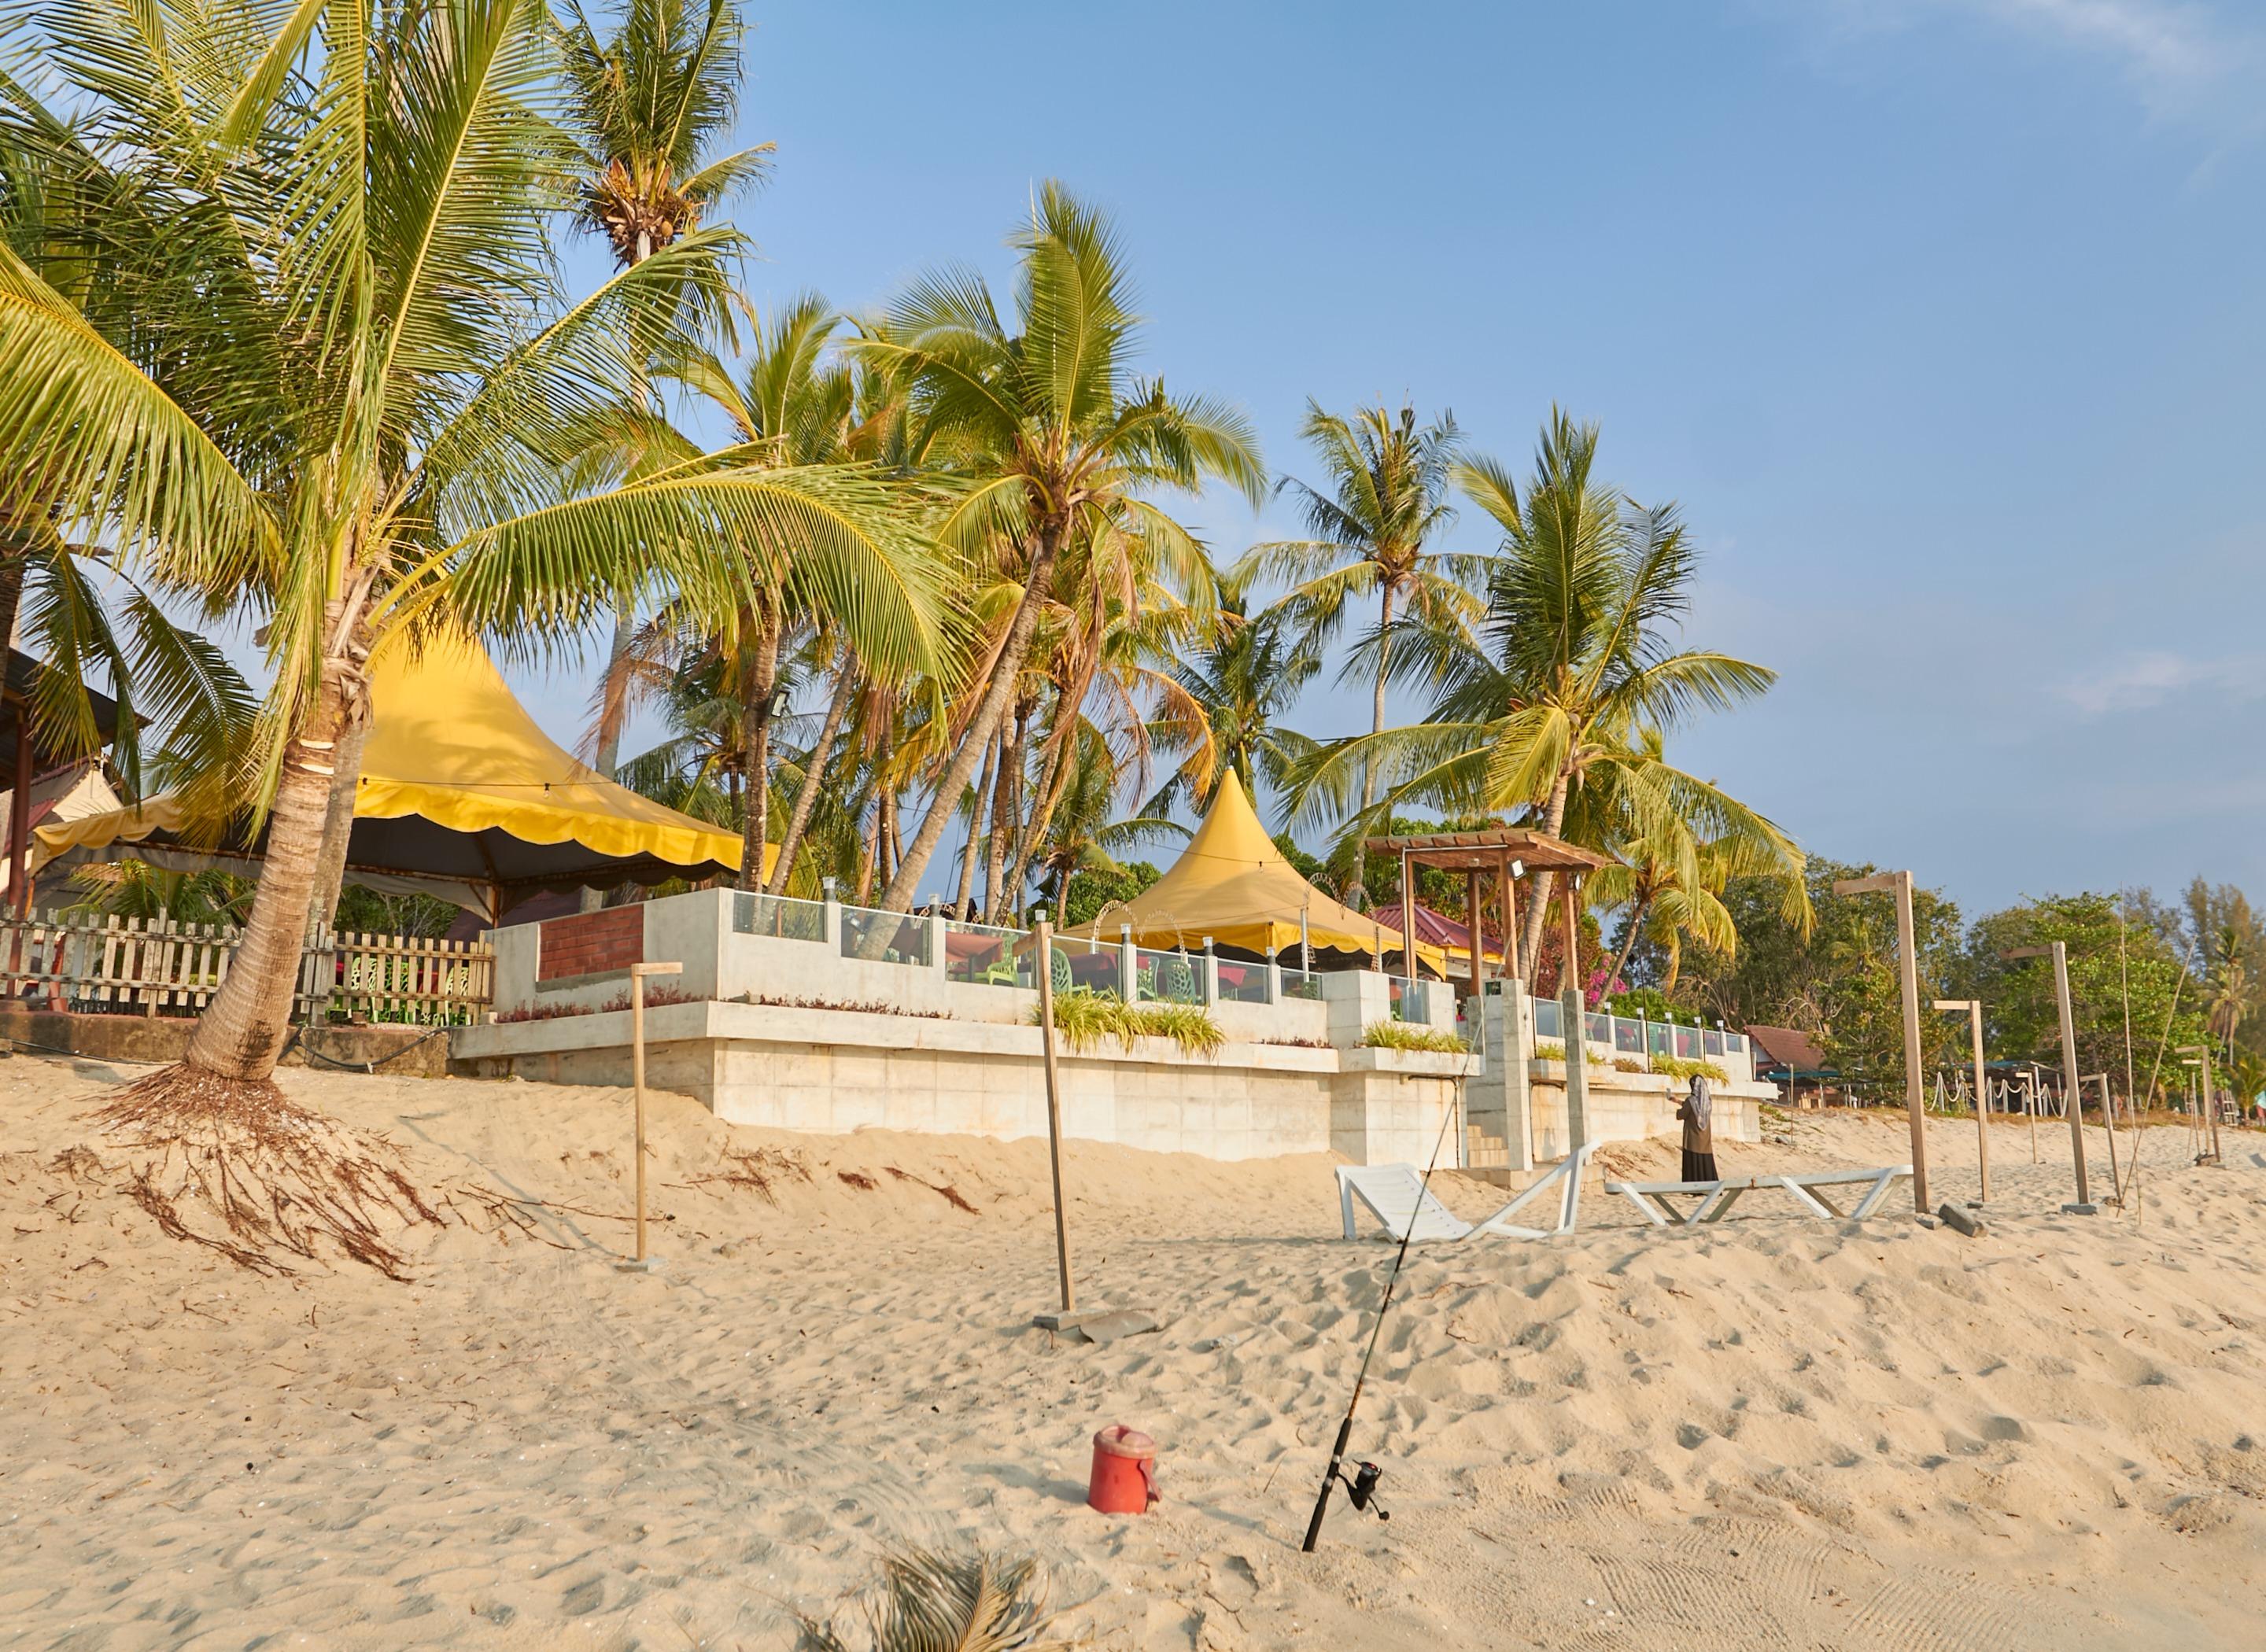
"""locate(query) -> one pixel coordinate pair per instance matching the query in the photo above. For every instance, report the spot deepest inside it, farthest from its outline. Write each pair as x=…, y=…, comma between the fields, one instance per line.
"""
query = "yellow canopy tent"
x=1232, y=884
x=461, y=795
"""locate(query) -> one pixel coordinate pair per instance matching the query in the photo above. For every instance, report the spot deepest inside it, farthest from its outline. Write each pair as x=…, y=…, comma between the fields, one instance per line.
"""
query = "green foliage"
x=1402, y=1035
x=1651, y=1003
x=135, y=889
x=367, y=912
x=1551, y=1049
x=1093, y=891
x=2110, y=957
x=1084, y=1018
x=1839, y=982
x=1684, y=1067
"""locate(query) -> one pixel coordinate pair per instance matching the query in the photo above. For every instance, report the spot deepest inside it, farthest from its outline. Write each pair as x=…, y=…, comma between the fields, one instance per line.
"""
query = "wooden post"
x=1900, y=884
x=1982, y=1087
x=1570, y=969
x=1472, y=910
x=1407, y=922
x=2108, y=1120
x=638, y=973
x=2072, y=1087
x=19, y=818
x=1054, y=1104
x=1509, y=919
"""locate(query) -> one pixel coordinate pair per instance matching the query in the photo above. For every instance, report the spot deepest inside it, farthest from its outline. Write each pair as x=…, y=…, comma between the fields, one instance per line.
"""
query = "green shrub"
x=1083, y=1018
x=1551, y=1049
x=1684, y=1067
x=1403, y=1035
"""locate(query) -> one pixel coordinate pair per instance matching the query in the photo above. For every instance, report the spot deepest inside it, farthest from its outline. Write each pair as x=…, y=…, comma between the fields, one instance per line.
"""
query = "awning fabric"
x=1232, y=884
x=462, y=794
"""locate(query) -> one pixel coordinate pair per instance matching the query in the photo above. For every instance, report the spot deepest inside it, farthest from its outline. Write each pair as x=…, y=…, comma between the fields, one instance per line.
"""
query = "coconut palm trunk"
x=244, y=1030
x=1637, y=911
x=755, y=829
x=1037, y=585
x=813, y=773
x=338, y=821
x=1376, y=726
x=1546, y=884
x=978, y=812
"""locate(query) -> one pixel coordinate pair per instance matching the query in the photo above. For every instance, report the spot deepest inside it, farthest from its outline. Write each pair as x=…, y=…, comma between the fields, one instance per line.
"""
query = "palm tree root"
x=236, y=1165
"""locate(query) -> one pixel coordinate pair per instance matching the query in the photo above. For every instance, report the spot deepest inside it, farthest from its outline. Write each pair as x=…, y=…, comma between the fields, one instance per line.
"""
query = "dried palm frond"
x=929, y=1602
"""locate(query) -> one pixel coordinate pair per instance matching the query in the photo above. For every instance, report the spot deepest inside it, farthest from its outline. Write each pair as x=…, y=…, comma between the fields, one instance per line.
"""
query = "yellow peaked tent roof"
x=451, y=746
x=1232, y=884
x=451, y=742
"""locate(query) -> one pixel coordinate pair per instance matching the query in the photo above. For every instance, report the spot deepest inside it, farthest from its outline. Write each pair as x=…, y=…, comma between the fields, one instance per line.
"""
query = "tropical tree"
x=1371, y=526
x=647, y=105
x=1083, y=835
x=1567, y=668
x=1244, y=676
x=329, y=377
x=1057, y=437
x=793, y=402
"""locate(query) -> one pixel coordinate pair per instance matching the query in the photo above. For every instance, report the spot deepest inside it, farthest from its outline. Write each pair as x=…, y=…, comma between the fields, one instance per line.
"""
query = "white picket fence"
x=155, y=966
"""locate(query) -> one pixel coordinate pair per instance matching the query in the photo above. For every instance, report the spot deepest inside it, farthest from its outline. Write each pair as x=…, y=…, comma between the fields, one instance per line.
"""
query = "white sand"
x=1774, y=1432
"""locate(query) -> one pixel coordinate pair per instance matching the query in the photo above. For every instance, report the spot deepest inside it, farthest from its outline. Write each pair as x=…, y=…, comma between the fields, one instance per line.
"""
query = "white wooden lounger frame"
x=1714, y=1200
x=1394, y=1192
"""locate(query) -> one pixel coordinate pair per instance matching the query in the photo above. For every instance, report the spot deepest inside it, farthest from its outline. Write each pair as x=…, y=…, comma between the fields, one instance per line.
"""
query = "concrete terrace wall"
x=836, y=1070
x=767, y=1028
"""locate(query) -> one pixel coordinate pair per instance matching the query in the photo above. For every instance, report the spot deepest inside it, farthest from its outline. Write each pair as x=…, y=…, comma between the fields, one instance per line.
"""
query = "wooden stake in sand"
x=638, y=973
x=1982, y=1086
x=1054, y=1103
x=2073, y=1086
x=1900, y=884
x=2108, y=1119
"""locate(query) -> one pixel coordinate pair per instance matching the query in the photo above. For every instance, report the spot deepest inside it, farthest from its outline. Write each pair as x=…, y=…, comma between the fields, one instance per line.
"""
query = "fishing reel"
x=1360, y=1488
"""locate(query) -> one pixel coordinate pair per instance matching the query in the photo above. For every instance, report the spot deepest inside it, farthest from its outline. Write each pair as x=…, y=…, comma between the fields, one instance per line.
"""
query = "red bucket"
x=1124, y=1477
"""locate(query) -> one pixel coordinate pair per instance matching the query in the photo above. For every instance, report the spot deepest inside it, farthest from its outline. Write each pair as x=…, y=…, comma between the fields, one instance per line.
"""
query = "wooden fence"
x=152, y=966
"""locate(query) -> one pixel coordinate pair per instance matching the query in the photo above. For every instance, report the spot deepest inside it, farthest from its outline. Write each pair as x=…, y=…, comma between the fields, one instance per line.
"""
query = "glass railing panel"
x=1659, y=1039
x=1411, y=1000
x=1093, y=965
x=1598, y=1028
x=1711, y=1040
x=1628, y=1036
x=1243, y=982
x=1687, y=1042
x=1167, y=977
x=1734, y=1043
x=777, y=918
x=1301, y=983
x=884, y=937
x=1545, y=1017
x=985, y=955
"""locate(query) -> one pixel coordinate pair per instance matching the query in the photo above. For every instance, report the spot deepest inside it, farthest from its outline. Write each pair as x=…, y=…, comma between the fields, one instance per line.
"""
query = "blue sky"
x=1941, y=319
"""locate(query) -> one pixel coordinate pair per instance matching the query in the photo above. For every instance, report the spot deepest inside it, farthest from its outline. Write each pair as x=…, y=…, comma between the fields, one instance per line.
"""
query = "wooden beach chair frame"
x=1375, y=1186
x=1712, y=1200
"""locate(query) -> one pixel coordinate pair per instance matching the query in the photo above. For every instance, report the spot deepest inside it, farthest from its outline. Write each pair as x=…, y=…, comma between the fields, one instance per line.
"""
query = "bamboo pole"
x=1054, y=1105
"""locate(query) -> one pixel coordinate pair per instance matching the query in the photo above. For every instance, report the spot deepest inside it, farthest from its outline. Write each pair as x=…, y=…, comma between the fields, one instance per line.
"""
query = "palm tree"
x=1387, y=497
x=647, y=104
x=1060, y=435
x=329, y=377
x=1567, y=669
x=1082, y=836
x=1243, y=679
x=795, y=402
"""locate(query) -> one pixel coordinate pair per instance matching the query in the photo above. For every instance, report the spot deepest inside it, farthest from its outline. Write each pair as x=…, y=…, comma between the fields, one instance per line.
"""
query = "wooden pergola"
x=1507, y=852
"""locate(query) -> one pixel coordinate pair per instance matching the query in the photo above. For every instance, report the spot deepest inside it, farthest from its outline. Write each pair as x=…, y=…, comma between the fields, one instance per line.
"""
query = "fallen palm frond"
x=1083, y=1018
x=927, y=1602
x=944, y=1190
x=1402, y=1035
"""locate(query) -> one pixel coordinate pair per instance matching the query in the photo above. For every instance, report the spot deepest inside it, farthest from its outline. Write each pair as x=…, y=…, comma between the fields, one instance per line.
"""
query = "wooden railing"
x=155, y=966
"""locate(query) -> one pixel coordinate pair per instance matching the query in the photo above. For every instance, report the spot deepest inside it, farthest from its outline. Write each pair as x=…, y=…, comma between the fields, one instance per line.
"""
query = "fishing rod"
x=1361, y=1490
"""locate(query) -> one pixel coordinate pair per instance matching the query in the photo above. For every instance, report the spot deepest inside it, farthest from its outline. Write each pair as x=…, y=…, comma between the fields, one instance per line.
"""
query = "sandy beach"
x=1769, y=1432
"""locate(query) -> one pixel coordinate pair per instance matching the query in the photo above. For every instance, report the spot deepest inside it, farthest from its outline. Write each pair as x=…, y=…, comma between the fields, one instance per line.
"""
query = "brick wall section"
x=590, y=943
